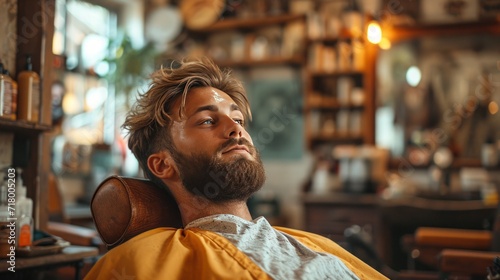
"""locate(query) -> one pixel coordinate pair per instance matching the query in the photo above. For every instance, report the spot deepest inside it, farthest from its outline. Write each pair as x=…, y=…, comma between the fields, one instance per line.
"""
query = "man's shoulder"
x=303, y=234
x=315, y=241
x=320, y=243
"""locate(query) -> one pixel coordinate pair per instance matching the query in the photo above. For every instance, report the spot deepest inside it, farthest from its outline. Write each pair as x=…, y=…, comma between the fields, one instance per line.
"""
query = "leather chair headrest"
x=125, y=207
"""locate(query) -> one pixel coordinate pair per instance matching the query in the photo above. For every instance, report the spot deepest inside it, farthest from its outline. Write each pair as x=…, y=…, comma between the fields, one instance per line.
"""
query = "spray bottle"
x=24, y=212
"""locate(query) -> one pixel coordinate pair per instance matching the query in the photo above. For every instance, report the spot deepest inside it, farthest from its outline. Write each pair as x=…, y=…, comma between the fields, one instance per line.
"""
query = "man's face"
x=214, y=153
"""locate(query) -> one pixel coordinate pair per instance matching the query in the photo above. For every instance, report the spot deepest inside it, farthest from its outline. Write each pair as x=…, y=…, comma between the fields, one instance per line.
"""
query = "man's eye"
x=209, y=121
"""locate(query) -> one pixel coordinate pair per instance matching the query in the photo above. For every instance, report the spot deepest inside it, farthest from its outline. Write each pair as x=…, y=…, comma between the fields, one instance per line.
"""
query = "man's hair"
x=149, y=121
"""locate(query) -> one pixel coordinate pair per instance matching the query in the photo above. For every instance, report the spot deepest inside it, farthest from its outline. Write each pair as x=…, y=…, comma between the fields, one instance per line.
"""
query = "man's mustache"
x=238, y=141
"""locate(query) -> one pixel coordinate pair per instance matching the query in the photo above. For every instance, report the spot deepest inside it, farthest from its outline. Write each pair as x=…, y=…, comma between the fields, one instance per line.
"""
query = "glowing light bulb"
x=493, y=107
x=413, y=76
x=374, y=32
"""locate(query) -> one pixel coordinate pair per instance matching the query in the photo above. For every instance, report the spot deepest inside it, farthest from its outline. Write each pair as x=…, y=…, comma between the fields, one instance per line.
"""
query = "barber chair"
x=457, y=253
x=125, y=207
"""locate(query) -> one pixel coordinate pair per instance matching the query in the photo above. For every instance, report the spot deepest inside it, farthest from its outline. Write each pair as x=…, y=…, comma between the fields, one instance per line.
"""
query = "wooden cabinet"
x=330, y=215
x=385, y=222
x=30, y=147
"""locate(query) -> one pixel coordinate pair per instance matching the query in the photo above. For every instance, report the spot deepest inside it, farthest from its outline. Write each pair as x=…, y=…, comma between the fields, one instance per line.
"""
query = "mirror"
x=441, y=91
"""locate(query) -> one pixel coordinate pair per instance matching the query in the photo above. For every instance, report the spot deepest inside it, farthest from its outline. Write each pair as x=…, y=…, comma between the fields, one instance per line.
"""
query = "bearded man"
x=188, y=133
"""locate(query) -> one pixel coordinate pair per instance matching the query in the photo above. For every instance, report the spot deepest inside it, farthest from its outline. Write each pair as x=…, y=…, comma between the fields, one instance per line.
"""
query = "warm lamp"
x=374, y=32
x=70, y=104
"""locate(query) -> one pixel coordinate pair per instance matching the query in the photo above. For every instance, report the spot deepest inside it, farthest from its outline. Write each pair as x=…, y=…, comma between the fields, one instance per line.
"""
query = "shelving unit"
x=338, y=92
x=30, y=147
x=250, y=23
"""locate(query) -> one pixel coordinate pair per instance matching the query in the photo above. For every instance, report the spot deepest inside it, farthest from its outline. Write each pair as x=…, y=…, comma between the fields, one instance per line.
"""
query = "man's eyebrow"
x=214, y=108
x=235, y=107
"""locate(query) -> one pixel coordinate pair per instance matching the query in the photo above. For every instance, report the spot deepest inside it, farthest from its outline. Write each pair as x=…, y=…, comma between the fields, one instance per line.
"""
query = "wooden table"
x=70, y=256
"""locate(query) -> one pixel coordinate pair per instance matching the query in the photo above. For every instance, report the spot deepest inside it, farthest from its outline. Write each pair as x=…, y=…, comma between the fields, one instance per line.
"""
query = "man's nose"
x=233, y=129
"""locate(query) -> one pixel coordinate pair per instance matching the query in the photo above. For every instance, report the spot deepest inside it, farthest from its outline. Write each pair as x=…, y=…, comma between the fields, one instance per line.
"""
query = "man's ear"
x=161, y=165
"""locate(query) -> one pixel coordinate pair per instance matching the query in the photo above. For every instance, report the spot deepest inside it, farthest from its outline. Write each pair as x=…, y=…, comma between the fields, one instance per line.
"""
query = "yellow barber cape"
x=168, y=253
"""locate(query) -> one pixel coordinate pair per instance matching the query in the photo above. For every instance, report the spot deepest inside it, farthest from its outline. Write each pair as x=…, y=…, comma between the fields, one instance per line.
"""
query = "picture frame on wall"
x=277, y=126
x=489, y=9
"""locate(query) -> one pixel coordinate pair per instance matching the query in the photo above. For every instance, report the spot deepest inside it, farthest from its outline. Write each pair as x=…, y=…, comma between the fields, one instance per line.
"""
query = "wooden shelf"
x=336, y=73
x=69, y=255
x=271, y=61
x=405, y=32
x=337, y=138
x=249, y=24
x=23, y=127
x=328, y=103
x=332, y=40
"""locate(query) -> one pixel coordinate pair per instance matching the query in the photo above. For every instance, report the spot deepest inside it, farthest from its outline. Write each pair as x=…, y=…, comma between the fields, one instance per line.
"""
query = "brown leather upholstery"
x=453, y=238
x=125, y=207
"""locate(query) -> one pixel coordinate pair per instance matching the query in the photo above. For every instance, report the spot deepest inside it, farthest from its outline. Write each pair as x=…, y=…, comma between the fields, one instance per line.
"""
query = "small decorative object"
x=343, y=122
x=455, y=8
x=315, y=26
x=355, y=123
x=293, y=41
x=321, y=178
x=449, y=11
x=344, y=89
x=259, y=49
x=328, y=128
x=199, y=14
x=357, y=96
x=237, y=47
x=352, y=20
x=334, y=26
x=329, y=59
x=345, y=54
x=489, y=154
x=443, y=158
x=489, y=9
x=358, y=55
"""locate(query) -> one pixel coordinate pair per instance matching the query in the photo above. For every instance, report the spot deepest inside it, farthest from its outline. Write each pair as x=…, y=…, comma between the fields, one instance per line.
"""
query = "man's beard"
x=218, y=180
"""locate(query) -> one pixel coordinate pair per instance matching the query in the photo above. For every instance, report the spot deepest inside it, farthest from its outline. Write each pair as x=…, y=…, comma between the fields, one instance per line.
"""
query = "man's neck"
x=196, y=207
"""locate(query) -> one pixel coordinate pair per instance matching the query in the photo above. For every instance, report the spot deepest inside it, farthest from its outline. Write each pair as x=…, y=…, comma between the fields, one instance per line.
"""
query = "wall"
x=285, y=179
x=8, y=13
